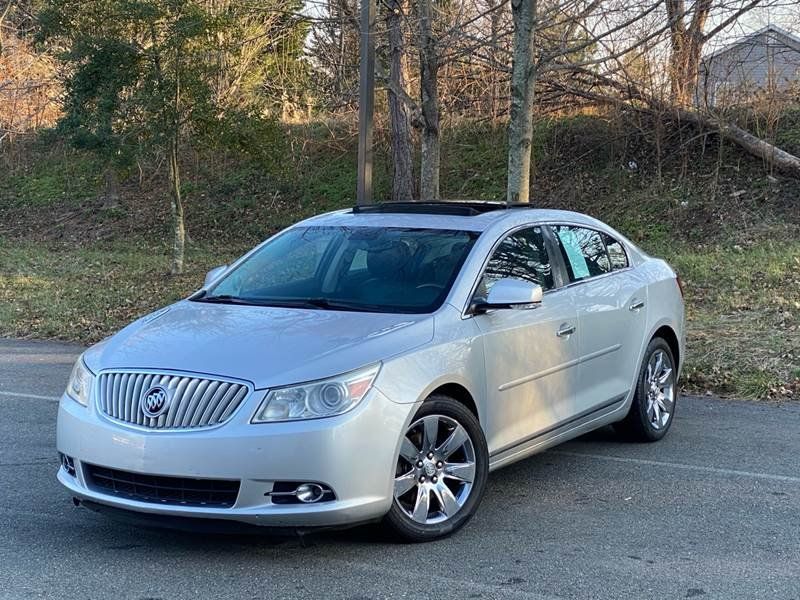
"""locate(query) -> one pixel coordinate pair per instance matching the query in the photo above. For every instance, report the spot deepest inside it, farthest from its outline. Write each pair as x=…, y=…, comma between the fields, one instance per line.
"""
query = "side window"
x=522, y=255
x=583, y=250
x=616, y=253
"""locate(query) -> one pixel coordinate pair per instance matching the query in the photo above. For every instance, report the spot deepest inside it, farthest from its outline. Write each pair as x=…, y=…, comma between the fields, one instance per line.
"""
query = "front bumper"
x=354, y=454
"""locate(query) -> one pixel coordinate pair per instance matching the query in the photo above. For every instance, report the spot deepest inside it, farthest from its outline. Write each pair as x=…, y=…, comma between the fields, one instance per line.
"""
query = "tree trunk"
x=176, y=204
x=772, y=155
x=628, y=92
x=178, y=226
x=399, y=118
x=111, y=184
x=684, y=71
x=523, y=77
x=429, y=94
x=686, y=46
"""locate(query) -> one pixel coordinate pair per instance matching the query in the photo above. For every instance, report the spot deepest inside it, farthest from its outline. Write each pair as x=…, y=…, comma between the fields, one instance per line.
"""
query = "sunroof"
x=453, y=207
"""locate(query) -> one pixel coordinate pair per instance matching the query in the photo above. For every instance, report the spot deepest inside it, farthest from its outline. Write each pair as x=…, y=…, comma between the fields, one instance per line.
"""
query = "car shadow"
x=231, y=535
x=604, y=434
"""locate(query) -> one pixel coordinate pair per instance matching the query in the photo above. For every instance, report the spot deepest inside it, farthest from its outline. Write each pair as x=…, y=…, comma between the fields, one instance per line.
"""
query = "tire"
x=654, y=402
x=459, y=454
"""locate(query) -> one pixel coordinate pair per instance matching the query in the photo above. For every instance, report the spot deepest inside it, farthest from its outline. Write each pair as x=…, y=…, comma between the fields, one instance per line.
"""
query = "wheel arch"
x=459, y=393
x=668, y=334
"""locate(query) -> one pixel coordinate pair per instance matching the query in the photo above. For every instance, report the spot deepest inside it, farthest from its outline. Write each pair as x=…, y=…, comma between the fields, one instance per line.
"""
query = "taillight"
x=680, y=283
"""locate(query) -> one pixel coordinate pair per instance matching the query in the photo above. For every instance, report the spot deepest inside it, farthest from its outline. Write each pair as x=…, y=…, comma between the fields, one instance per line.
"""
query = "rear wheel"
x=653, y=406
x=440, y=473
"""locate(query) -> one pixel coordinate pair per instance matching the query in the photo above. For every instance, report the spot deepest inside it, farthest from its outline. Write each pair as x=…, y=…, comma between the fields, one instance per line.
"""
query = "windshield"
x=373, y=269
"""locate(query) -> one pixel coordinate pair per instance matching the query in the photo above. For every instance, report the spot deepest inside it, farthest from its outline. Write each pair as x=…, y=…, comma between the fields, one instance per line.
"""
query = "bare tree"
x=613, y=90
x=333, y=50
x=568, y=35
x=473, y=54
x=687, y=39
x=29, y=89
x=445, y=34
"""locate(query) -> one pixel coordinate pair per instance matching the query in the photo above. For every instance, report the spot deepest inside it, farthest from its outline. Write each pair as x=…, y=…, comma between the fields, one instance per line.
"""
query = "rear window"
x=583, y=251
x=616, y=253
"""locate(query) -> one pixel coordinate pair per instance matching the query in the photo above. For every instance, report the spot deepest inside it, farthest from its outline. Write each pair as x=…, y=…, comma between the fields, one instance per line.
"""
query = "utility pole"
x=366, y=102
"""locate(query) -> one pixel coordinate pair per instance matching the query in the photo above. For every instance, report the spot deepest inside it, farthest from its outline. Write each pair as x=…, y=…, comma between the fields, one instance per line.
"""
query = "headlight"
x=80, y=383
x=317, y=399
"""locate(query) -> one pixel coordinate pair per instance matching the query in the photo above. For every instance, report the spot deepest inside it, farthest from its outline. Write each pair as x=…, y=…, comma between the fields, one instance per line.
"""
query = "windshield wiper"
x=313, y=303
x=326, y=304
x=227, y=299
x=323, y=304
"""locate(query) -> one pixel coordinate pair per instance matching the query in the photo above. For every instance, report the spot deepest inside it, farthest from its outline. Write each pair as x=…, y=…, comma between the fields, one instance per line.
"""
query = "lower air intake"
x=156, y=489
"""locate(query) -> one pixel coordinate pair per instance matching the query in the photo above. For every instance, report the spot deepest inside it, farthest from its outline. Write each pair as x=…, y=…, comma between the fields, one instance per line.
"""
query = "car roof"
x=458, y=215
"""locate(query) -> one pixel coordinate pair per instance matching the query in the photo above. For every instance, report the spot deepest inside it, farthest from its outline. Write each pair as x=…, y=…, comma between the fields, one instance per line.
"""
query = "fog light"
x=309, y=492
x=300, y=492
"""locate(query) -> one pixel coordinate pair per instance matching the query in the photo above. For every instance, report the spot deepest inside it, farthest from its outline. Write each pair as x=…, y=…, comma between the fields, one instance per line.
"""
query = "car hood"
x=267, y=346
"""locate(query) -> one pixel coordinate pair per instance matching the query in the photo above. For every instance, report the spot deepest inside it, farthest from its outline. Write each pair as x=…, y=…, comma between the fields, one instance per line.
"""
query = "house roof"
x=788, y=38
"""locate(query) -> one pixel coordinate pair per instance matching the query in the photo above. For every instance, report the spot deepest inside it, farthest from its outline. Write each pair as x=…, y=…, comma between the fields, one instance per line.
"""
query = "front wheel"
x=653, y=406
x=441, y=471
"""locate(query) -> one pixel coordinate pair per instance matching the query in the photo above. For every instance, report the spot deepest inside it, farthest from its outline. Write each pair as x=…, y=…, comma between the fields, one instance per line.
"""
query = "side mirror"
x=510, y=293
x=213, y=274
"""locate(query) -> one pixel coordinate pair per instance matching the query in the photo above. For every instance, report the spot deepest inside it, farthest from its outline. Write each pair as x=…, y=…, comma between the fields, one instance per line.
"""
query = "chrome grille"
x=196, y=402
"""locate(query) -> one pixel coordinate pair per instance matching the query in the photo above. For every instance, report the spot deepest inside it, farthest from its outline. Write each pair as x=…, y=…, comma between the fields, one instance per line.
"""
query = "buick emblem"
x=155, y=401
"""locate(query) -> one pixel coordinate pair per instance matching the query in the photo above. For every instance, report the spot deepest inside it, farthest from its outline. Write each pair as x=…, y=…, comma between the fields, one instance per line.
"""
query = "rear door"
x=531, y=353
x=611, y=300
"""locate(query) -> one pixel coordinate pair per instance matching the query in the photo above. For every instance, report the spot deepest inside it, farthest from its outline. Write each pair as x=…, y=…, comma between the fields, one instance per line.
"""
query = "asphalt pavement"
x=712, y=511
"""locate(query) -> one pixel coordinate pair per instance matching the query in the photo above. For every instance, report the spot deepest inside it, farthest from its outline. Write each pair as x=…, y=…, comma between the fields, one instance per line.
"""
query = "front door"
x=531, y=353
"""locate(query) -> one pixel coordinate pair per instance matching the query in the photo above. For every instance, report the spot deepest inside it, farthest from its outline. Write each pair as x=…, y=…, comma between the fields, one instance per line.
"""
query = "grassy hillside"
x=75, y=265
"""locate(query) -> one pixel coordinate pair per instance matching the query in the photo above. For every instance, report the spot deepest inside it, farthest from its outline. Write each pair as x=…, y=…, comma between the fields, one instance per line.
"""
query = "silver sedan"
x=375, y=363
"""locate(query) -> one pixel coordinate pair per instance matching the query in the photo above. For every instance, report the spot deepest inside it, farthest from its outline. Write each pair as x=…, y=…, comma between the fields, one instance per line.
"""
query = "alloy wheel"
x=660, y=389
x=435, y=470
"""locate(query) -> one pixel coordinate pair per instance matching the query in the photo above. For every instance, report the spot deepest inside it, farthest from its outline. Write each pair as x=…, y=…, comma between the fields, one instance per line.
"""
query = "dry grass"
x=85, y=294
x=743, y=318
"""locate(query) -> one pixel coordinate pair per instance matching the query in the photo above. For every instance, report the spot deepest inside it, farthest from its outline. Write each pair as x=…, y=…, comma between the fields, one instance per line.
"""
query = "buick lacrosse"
x=375, y=363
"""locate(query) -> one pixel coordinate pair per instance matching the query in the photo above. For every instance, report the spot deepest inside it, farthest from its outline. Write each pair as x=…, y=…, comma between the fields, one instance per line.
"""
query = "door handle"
x=565, y=330
x=636, y=305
